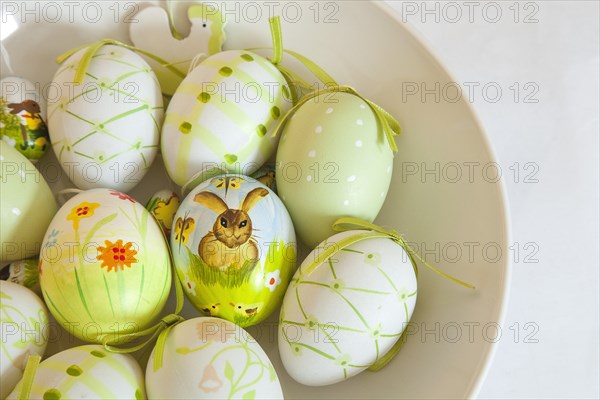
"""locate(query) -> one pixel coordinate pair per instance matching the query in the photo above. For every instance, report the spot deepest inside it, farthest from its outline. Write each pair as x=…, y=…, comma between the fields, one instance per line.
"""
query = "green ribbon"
x=390, y=126
x=93, y=48
x=372, y=231
x=28, y=376
x=160, y=330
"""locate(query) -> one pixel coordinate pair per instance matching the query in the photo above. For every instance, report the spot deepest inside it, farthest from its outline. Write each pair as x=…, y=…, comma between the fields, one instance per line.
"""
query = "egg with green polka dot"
x=86, y=372
x=223, y=114
x=333, y=160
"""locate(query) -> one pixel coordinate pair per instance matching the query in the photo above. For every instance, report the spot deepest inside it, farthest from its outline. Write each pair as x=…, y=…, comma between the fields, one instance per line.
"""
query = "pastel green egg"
x=104, y=267
x=25, y=201
x=223, y=114
x=333, y=160
x=86, y=372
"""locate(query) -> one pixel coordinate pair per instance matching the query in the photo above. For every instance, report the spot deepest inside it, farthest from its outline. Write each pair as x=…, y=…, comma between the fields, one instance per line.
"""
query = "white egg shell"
x=87, y=372
x=211, y=358
x=348, y=313
x=24, y=330
x=105, y=131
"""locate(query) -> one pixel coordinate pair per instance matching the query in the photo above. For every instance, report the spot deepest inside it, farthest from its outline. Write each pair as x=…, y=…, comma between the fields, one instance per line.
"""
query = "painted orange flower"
x=83, y=210
x=116, y=255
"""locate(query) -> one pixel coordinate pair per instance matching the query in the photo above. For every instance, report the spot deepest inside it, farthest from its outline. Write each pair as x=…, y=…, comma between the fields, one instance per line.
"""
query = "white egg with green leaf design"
x=25, y=331
x=223, y=114
x=211, y=358
x=349, y=312
x=86, y=372
x=105, y=130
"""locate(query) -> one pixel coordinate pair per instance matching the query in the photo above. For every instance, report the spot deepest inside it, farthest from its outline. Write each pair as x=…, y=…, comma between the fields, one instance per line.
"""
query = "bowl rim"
x=477, y=382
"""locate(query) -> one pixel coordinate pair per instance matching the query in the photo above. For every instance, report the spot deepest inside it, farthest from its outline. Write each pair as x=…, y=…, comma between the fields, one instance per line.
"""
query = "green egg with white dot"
x=223, y=114
x=105, y=130
x=86, y=372
x=349, y=312
x=333, y=160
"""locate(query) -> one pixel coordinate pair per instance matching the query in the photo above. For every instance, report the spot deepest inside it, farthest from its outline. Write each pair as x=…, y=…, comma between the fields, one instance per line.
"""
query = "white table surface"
x=554, y=220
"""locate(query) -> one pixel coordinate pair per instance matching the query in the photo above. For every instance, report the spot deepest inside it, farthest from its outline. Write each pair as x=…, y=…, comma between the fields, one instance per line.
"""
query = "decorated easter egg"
x=362, y=296
x=24, y=273
x=22, y=123
x=333, y=160
x=105, y=130
x=163, y=205
x=24, y=322
x=234, y=248
x=153, y=32
x=105, y=268
x=210, y=358
x=26, y=206
x=223, y=114
x=86, y=372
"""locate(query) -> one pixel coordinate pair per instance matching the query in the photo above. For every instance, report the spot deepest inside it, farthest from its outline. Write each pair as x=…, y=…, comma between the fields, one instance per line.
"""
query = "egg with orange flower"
x=104, y=266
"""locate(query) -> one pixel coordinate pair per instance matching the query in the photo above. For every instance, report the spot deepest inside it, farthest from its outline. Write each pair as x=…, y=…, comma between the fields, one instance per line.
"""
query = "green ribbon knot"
x=92, y=50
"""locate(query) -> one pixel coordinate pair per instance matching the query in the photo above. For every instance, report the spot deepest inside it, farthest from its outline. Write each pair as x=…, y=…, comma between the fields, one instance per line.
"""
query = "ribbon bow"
x=371, y=231
x=93, y=48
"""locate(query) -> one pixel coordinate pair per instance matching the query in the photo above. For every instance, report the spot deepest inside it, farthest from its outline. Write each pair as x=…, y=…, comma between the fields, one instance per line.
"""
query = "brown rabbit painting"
x=236, y=256
x=230, y=242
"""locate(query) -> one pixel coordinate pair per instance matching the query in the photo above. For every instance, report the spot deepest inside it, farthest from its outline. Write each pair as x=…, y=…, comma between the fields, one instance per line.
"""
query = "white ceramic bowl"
x=365, y=45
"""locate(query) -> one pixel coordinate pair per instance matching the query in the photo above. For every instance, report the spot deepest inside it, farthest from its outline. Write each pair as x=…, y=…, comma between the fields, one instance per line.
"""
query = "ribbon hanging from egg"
x=372, y=231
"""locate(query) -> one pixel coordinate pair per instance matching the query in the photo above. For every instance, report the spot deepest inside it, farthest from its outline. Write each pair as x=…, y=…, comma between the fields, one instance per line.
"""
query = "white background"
x=558, y=214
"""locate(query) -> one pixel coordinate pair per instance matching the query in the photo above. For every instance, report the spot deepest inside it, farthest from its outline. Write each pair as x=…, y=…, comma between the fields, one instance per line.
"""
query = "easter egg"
x=24, y=322
x=234, y=248
x=223, y=114
x=87, y=372
x=333, y=160
x=210, y=358
x=105, y=268
x=105, y=131
x=26, y=206
x=22, y=113
x=360, y=299
x=24, y=273
x=163, y=205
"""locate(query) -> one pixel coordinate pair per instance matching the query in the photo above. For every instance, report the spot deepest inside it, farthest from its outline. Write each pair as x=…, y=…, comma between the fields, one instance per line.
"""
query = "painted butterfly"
x=183, y=227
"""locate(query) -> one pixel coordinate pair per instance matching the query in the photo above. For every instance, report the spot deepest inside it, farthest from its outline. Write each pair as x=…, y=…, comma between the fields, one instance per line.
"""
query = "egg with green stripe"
x=223, y=114
x=86, y=372
x=104, y=268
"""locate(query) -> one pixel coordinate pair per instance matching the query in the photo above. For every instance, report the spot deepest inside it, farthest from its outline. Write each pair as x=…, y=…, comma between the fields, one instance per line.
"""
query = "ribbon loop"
x=28, y=376
x=93, y=48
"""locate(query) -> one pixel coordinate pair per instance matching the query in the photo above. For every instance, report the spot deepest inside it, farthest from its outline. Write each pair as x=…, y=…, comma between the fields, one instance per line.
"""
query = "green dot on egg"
x=225, y=71
x=275, y=112
x=261, y=130
x=98, y=354
x=185, y=128
x=138, y=394
x=247, y=57
x=52, y=394
x=230, y=158
x=204, y=97
x=74, y=370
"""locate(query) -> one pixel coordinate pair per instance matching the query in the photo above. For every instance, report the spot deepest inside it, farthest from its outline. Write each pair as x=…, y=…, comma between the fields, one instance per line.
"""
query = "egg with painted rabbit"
x=85, y=372
x=211, y=358
x=22, y=117
x=234, y=248
x=105, y=269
